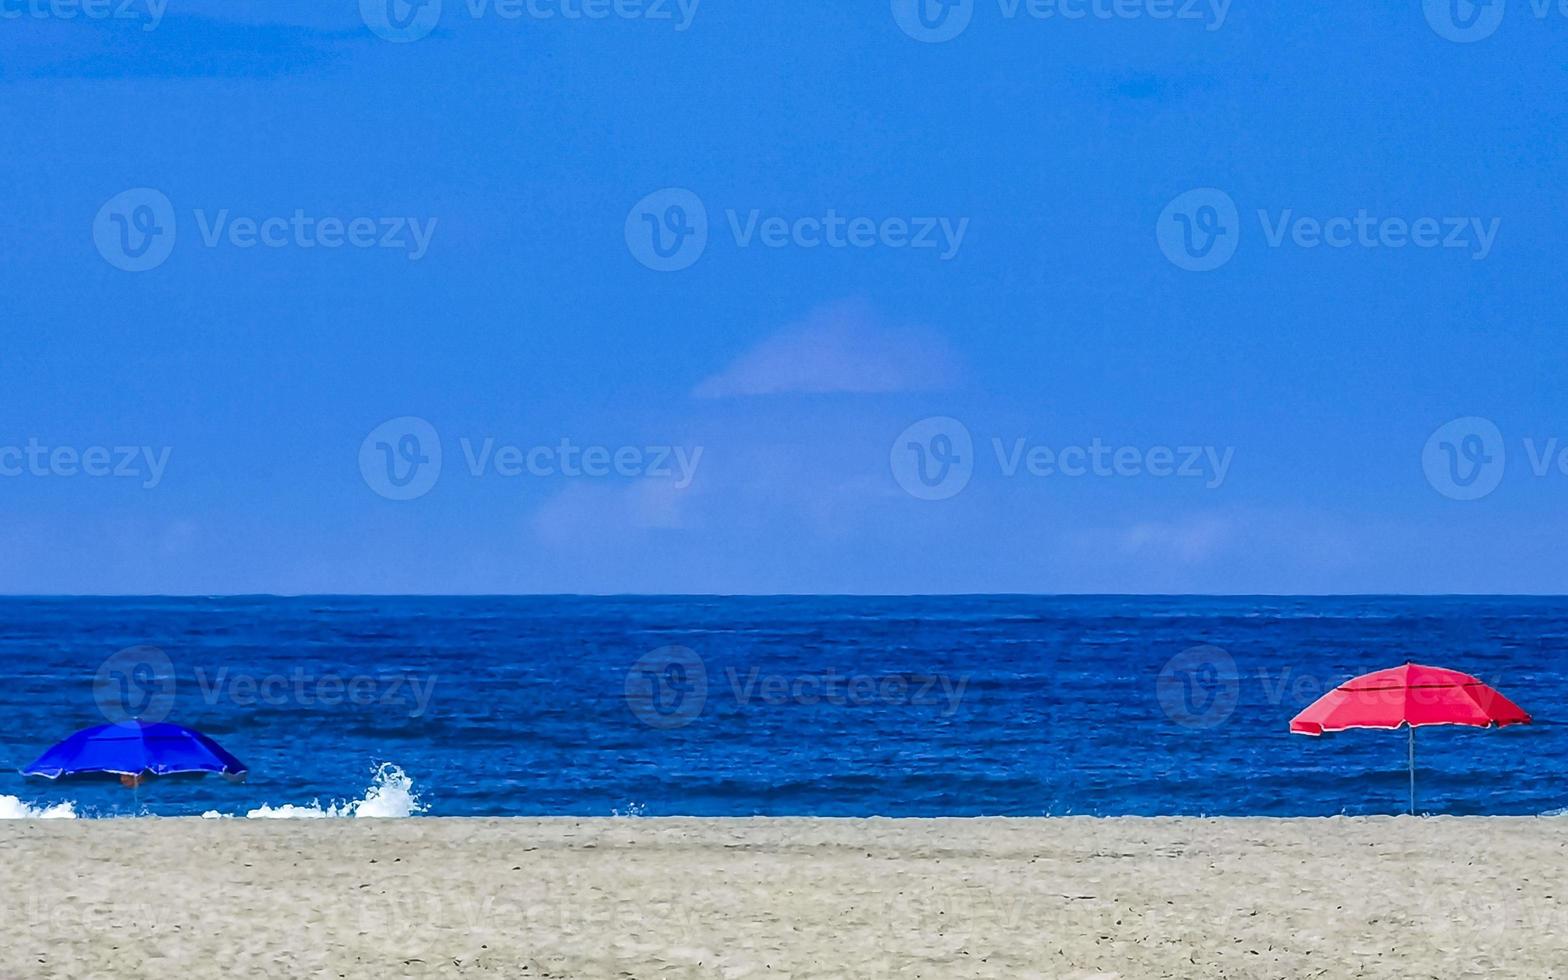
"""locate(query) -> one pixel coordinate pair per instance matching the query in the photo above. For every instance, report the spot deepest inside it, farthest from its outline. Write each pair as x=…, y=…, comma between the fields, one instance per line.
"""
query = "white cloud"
x=840, y=348
x=597, y=511
x=1187, y=541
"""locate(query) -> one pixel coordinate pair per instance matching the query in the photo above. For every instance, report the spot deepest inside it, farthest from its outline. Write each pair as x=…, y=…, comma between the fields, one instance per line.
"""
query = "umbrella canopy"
x=1413, y=695
x=134, y=748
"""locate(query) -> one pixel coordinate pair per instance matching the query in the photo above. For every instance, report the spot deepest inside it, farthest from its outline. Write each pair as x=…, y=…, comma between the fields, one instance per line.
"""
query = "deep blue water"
x=838, y=706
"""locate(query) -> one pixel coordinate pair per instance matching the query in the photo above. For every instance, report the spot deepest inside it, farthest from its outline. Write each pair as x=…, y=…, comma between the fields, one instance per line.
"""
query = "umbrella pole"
x=1412, y=770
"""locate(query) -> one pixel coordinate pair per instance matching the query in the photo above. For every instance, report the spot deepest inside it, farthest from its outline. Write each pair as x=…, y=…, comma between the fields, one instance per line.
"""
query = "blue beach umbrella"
x=134, y=750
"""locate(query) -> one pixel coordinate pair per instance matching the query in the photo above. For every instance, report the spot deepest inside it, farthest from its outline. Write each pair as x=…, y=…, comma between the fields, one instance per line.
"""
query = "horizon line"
x=782, y=595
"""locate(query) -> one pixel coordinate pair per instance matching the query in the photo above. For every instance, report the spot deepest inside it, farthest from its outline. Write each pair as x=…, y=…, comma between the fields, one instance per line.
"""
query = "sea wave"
x=390, y=794
x=12, y=808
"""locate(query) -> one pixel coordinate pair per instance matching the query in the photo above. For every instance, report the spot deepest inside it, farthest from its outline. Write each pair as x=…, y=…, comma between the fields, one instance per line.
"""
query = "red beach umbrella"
x=1413, y=695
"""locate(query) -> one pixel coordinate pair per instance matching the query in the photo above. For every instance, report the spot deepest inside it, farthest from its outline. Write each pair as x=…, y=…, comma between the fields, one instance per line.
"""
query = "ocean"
x=821, y=705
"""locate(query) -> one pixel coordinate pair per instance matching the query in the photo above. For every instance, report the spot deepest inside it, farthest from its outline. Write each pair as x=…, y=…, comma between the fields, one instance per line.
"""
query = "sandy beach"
x=568, y=898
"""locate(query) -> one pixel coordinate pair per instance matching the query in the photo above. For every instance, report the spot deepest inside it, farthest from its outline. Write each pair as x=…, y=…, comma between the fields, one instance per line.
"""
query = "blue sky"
x=1265, y=253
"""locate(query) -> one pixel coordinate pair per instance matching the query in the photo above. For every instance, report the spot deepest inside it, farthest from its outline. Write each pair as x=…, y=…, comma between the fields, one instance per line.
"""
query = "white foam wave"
x=12, y=808
x=288, y=811
x=391, y=794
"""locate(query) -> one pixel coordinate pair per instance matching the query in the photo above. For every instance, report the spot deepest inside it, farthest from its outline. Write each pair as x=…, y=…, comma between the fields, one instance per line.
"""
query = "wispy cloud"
x=584, y=513
x=152, y=41
x=841, y=348
x=1188, y=541
x=1233, y=538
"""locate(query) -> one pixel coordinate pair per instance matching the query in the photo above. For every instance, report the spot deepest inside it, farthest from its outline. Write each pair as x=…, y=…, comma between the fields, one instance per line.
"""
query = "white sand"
x=643, y=898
